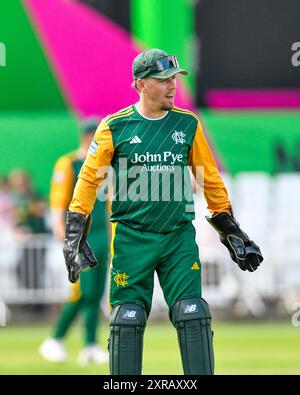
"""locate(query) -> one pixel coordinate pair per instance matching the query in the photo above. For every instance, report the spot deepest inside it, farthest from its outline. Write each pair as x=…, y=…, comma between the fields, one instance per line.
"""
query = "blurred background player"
x=29, y=215
x=86, y=294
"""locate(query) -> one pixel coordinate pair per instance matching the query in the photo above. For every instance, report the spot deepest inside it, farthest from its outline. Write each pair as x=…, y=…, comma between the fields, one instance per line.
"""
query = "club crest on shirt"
x=178, y=137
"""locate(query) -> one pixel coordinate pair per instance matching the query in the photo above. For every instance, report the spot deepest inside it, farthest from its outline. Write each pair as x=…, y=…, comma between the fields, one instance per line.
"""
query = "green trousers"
x=137, y=254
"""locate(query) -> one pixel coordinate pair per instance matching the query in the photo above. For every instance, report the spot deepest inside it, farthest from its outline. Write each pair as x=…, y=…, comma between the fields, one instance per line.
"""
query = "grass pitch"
x=240, y=348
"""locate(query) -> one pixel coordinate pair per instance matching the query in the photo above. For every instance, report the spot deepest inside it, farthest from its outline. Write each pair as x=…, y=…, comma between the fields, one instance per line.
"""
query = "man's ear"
x=140, y=84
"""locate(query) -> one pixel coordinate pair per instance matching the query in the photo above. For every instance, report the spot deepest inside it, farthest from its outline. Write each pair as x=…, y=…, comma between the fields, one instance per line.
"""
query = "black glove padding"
x=77, y=252
x=242, y=250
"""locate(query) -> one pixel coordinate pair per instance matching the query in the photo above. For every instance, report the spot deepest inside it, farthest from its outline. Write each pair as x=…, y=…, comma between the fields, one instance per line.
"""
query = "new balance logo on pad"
x=129, y=314
x=135, y=140
x=191, y=308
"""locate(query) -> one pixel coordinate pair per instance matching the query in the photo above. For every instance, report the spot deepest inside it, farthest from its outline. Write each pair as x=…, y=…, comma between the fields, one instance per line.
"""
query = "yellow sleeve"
x=62, y=184
x=94, y=171
x=206, y=173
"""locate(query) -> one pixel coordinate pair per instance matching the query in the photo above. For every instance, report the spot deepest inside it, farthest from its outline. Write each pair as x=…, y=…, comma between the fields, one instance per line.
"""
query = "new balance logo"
x=135, y=140
x=195, y=266
x=190, y=308
x=129, y=314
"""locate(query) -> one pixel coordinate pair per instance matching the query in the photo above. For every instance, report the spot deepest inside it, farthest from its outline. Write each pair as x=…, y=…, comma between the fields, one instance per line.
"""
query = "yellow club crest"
x=121, y=279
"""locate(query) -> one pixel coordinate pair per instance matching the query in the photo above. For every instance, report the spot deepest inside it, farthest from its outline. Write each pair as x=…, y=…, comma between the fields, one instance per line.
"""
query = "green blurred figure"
x=86, y=294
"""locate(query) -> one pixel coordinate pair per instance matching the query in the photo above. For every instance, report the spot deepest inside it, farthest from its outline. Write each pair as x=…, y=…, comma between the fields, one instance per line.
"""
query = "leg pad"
x=192, y=320
x=127, y=324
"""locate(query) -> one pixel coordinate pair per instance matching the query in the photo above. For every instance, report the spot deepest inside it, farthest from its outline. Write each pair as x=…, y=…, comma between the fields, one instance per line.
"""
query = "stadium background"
x=68, y=59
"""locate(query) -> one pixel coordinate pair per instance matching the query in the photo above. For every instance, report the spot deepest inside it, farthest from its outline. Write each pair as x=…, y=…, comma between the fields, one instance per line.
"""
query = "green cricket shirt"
x=148, y=162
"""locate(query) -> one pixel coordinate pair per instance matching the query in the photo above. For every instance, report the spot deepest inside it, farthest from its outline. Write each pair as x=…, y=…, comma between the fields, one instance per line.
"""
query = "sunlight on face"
x=160, y=93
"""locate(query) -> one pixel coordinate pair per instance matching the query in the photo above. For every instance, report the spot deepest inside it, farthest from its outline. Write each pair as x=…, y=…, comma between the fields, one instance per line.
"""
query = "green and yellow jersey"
x=149, y=159
x=66, y=171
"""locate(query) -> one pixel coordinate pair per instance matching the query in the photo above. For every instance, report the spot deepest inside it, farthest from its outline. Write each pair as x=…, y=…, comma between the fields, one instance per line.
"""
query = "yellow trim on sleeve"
x=124, y=112
x=183, y=111
x=119, y=116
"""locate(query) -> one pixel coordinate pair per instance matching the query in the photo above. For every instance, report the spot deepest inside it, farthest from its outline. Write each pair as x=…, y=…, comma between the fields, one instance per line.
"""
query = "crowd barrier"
x=32, y=268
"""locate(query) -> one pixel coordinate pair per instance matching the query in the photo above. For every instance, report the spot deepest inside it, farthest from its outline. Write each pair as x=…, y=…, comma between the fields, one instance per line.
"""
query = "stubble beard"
x=166, y=107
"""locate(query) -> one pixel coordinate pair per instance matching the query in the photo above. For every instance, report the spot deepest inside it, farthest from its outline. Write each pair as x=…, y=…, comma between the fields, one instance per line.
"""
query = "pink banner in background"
x=90, y=55
x=266, y=98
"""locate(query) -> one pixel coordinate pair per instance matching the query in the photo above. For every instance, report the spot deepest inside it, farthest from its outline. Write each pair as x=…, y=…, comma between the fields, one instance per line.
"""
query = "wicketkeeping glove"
x=242, y=250
x=77, y=252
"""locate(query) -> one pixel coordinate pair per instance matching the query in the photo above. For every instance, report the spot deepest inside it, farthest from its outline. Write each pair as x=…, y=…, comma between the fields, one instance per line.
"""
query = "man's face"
x=159, y=93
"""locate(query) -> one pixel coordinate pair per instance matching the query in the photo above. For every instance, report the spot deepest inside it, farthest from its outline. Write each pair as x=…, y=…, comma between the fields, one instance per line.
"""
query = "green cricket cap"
x=156, y=63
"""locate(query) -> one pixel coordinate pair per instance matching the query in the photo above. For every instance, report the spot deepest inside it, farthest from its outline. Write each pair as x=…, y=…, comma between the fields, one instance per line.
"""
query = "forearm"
x=84, y=197
x=217, y=198
x=214, y=190
x=207, y=175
